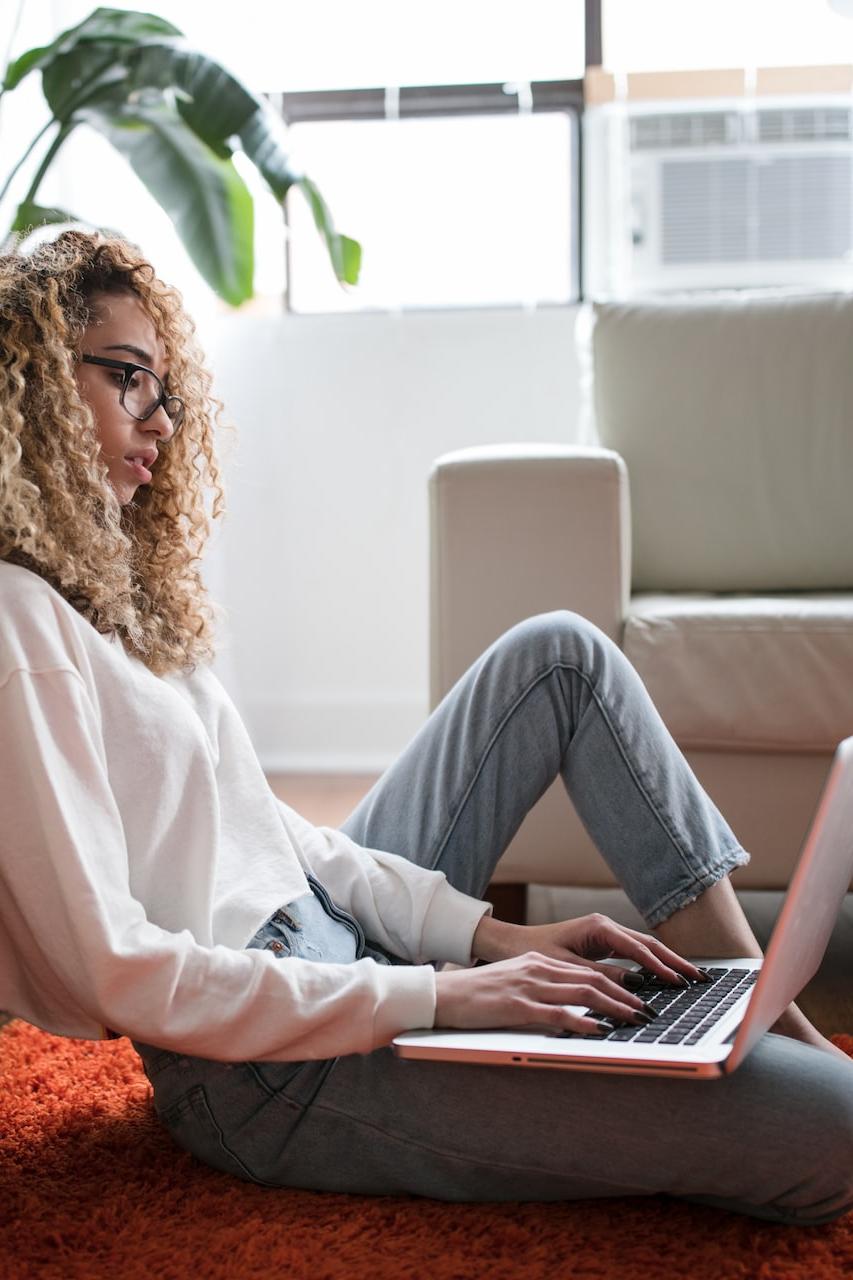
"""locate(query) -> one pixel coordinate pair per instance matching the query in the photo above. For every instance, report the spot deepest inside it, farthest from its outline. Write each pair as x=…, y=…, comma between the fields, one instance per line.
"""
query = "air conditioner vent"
x=804, y=208
x=663, y=131
x=784, y=209
x=704, y=210
x=805, y=124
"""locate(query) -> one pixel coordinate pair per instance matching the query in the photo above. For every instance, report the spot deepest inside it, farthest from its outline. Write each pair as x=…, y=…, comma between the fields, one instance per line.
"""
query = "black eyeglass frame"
x=129, y=368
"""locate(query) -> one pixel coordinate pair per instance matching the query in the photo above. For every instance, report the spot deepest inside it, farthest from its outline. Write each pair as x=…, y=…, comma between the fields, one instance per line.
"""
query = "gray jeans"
x=553, y=696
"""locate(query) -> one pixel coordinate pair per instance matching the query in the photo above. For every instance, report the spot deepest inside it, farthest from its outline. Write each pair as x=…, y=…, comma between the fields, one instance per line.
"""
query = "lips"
x=140, y=462
x=142, y=473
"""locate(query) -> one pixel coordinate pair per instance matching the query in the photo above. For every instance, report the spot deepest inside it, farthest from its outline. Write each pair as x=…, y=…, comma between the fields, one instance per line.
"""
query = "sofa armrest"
x=522, y=529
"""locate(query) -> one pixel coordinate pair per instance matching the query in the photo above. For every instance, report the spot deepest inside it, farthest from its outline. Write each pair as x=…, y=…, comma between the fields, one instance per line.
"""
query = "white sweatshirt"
x=141, y=848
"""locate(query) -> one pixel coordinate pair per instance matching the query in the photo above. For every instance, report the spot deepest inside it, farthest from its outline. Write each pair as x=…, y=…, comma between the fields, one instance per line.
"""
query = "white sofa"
x=707, y=529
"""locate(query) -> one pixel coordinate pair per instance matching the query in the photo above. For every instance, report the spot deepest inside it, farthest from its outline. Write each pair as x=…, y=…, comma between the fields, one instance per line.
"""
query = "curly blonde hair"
x=129, y=570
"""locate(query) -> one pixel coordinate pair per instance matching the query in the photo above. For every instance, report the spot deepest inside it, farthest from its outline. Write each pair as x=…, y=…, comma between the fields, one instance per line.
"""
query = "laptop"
x=707, y=1030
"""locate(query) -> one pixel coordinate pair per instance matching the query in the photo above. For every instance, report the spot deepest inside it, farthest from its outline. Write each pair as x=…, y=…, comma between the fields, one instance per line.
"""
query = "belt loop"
x=287, y=919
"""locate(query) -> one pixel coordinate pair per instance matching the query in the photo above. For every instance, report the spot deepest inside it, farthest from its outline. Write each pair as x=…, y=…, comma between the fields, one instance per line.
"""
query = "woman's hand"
x=532, y=991
x=582, y=941
x=535, y=971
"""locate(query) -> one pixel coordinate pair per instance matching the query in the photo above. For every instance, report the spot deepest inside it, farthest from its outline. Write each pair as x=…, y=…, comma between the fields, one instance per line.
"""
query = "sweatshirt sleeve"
x=411, y=911
x=87, y=946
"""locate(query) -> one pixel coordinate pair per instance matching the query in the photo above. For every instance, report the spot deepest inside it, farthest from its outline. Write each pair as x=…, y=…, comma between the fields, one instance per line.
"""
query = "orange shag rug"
x=92, y=1186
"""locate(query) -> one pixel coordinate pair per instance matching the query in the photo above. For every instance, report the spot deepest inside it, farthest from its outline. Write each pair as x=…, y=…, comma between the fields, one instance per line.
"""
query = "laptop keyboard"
x=684, y=1015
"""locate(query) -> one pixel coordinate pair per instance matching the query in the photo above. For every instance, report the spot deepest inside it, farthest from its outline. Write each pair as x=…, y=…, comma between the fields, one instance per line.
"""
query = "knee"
x=560, y=636
x=834, y=1173
x=820, y=1133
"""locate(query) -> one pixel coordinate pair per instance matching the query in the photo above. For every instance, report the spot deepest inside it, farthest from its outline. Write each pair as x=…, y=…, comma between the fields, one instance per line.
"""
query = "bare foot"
x=793, y=1023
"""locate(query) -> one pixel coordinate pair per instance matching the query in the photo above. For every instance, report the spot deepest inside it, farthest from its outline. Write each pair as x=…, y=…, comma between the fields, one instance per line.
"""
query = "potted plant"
x=177, y=116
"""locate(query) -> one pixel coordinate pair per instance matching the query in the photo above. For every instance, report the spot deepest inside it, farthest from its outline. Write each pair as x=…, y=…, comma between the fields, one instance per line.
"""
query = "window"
x=460, y=198
x=444, y=139
x=669, y=35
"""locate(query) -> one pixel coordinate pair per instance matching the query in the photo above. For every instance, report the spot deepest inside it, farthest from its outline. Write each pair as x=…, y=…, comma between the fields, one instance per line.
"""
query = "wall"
x=322, y=559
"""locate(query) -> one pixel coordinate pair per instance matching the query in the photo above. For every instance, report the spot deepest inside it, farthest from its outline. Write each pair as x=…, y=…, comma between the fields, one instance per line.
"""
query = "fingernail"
x=681, y=981
x=644, y=1018
x=603, y=1029
x=650, y=1010
x=632, y=980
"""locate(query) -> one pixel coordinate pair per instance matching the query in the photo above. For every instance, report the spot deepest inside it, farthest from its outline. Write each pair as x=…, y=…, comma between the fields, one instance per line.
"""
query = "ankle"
x=793, y=1022
x=712, y=925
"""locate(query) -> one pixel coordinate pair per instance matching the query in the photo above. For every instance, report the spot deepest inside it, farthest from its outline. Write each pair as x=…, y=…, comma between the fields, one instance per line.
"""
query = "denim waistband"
x=314, y=927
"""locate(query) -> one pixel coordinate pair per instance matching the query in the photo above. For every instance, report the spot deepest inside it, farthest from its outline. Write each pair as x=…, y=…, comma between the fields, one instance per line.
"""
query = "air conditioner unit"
x=718, y=195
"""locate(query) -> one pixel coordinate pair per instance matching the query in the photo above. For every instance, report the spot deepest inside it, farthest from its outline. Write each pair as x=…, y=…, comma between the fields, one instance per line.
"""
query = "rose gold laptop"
x=707, y=1030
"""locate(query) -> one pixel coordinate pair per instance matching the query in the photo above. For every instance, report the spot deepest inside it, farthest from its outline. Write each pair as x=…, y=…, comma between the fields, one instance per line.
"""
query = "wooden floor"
x=326, y=800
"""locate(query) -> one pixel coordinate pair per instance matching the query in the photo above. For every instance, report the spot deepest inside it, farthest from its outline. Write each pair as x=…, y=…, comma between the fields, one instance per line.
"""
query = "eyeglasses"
x=142, y=392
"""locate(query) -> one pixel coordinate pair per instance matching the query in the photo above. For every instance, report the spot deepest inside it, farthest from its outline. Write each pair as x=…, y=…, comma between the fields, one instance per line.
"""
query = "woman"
x=151, y=883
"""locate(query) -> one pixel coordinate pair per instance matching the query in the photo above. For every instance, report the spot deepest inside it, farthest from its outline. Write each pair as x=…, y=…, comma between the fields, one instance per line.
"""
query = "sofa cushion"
x=747, y=672
x=735, y=417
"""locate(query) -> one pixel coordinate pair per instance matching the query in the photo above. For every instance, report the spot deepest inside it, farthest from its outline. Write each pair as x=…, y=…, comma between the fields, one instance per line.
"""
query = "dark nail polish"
x=604, y=1029
x=682, y=981
x=632, y=980
x=650, y=1010
x=644, y=1018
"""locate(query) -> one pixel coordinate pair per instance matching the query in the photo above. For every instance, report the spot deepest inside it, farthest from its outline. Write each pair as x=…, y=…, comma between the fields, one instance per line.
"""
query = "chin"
x=124, y=492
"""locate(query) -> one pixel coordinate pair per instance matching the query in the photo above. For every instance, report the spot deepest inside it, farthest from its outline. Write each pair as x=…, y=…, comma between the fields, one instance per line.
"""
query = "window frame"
x=409, y=101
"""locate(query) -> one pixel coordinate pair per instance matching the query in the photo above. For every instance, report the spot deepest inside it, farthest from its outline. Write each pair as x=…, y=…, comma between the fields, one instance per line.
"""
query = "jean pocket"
x=281, y=946
x=193, y=1127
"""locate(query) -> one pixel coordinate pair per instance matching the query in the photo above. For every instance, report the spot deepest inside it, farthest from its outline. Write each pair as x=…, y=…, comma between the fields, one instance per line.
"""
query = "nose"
x=162, y=422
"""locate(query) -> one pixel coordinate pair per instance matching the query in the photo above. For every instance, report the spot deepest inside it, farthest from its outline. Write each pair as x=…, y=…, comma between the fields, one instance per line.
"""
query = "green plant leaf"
x=204, y=195
x=117, y=26
x=216, y=107
x=351, y=250
x=88, y=73
x=344, y=252
x=214, y=103
x=27, y=62
x=208, y=98
x=32, y=216
x=132, y=76
x=263, y=139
